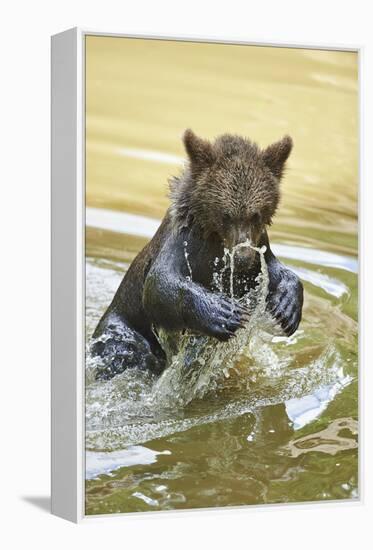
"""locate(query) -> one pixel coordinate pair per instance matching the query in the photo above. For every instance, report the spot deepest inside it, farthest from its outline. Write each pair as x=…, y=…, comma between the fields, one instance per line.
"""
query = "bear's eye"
x=226, y=219
x=255, y=218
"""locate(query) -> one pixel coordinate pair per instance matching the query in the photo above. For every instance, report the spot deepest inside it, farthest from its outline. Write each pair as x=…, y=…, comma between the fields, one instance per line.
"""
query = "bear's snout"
x=238, y=237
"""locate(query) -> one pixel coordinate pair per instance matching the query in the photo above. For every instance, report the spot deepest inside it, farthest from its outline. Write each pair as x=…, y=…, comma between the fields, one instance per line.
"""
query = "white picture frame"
x=68, y=260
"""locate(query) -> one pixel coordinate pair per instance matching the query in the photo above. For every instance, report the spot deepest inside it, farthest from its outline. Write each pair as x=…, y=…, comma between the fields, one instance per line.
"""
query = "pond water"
x=279, y=422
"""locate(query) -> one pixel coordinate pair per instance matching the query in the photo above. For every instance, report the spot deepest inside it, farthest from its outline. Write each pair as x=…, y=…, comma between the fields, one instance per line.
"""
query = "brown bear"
x=227, y=194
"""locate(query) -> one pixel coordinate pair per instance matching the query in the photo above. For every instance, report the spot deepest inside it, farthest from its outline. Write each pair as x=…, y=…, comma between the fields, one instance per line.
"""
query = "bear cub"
x=227, y=194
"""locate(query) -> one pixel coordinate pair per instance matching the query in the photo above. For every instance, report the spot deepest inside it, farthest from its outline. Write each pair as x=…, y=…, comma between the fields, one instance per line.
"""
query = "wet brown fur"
x=227, y=181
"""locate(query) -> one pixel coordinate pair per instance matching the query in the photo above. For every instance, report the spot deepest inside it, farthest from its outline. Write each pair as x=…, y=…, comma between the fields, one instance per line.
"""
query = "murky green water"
x=280, y=424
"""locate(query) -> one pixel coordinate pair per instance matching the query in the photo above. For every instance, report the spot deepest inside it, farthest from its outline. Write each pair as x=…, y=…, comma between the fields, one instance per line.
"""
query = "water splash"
x=186, y=255
x=201, y=361
x=229, y=254
x=123, y=411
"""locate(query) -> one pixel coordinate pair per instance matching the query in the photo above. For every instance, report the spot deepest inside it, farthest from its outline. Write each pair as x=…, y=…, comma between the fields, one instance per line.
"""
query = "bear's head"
x=230, y=187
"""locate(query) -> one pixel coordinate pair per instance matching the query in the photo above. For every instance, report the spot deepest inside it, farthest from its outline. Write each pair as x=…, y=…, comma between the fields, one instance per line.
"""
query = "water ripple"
x=141, y=226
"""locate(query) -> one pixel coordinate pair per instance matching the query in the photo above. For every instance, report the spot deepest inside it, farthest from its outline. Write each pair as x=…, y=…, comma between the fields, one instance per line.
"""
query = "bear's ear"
x=277, y=154
x=199, y=150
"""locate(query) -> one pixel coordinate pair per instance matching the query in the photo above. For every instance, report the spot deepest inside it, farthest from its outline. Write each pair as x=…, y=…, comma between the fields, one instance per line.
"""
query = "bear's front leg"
x=174, y=303
x=285, y=295
x=212, y=314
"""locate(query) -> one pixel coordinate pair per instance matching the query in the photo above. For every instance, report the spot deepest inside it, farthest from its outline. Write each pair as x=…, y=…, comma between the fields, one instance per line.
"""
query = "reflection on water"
x=327, y=441
x=97, y=463
x=279, y=424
